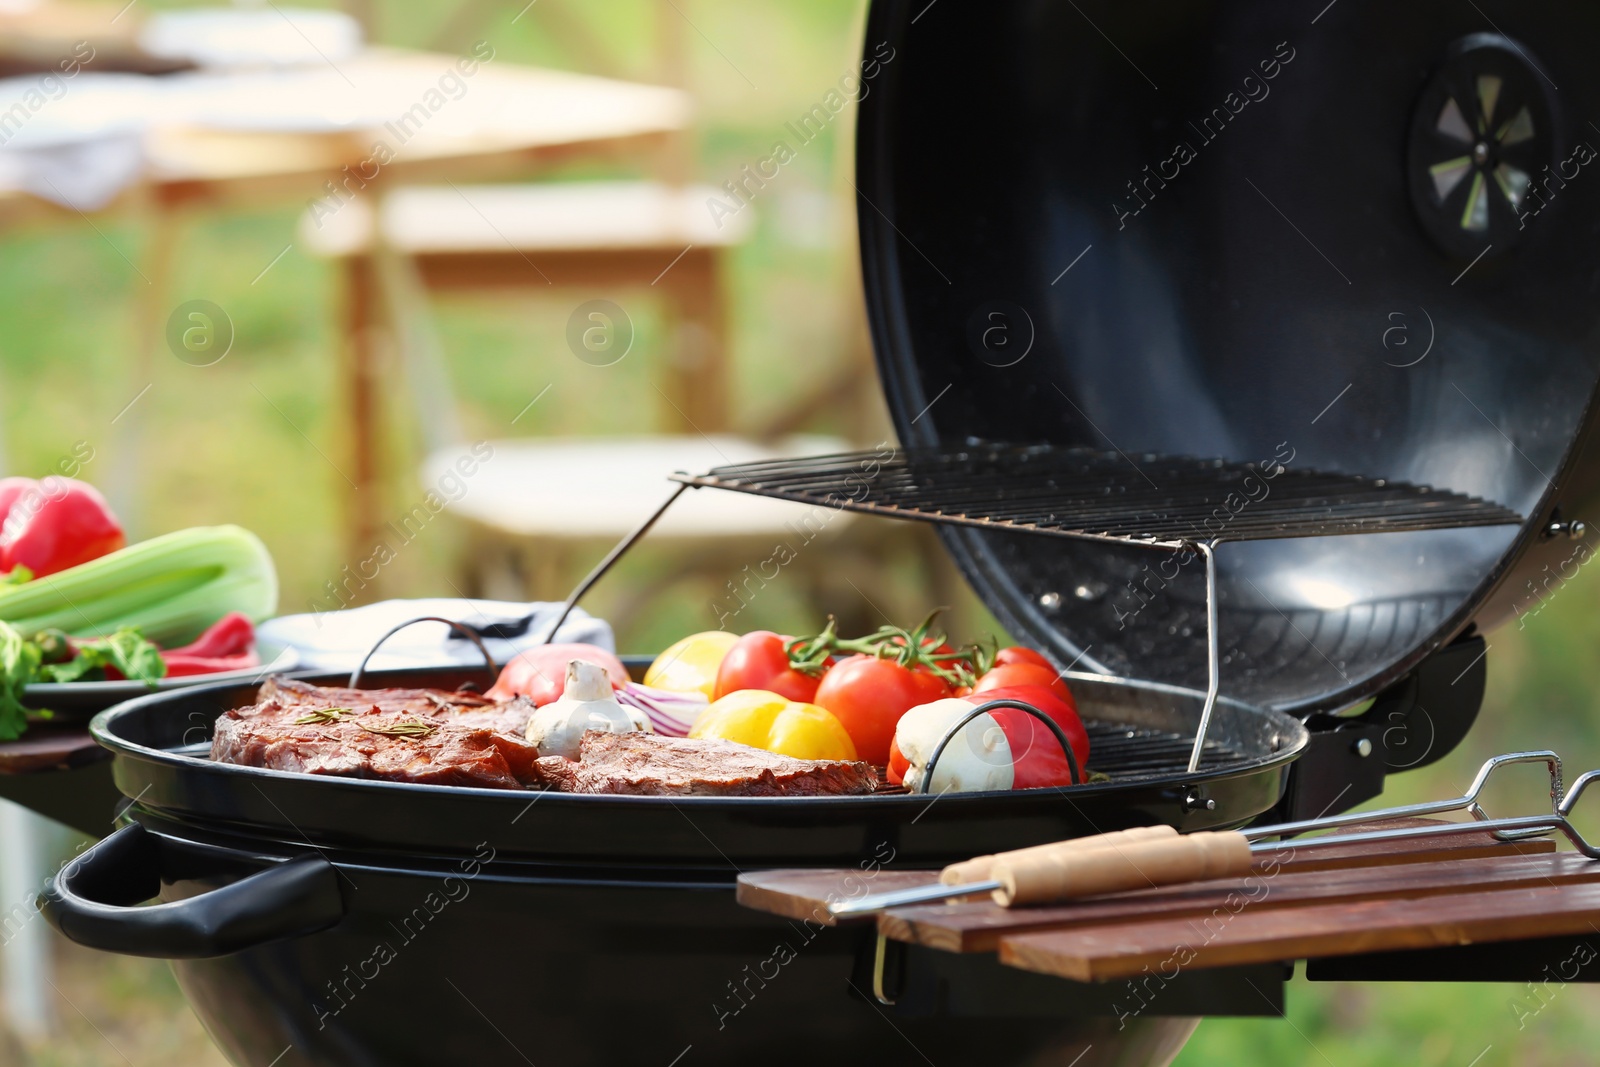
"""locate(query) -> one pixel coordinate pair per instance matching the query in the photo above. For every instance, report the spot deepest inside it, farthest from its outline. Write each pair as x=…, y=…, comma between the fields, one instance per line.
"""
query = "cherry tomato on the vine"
x=1019, y=654
x=1010, y=674
x=868, y=695
x=759, y=660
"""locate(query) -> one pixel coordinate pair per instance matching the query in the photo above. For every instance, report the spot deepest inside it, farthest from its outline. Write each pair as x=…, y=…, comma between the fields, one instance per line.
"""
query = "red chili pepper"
x=53, y=524
x=231, y=635
x=229, y=644
x=179, y=666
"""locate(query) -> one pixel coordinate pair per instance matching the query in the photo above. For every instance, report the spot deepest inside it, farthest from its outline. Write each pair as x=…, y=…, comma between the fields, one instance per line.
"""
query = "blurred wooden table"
x=34, y=40
x=331, y=132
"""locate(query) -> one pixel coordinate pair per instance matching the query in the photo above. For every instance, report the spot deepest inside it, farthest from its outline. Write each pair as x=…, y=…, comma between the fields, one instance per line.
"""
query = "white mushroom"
x=587, y=703
x=977, y=758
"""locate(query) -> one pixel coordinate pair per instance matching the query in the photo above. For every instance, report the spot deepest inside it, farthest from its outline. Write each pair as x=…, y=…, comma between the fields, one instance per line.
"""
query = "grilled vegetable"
x=770, y=721
x=588, y=703
x=691, y=664
x=172, y=587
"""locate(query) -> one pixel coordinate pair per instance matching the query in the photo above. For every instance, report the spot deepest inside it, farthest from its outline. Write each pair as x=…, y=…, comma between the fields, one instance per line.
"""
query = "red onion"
x=670, y=713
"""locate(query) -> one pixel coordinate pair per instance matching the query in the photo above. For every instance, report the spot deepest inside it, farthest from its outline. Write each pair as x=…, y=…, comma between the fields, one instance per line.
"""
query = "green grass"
x=257, y=439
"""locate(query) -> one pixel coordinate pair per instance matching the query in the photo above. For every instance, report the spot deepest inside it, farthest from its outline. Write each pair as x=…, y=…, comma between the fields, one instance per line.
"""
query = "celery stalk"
x=171, y=587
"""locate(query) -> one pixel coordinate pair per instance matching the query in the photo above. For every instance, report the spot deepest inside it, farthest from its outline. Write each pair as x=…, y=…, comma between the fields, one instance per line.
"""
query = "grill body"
x=161, y=743
x=593, y=906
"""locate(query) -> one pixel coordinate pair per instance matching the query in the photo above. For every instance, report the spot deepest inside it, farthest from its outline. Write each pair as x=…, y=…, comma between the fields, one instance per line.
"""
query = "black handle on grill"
x=93, y=901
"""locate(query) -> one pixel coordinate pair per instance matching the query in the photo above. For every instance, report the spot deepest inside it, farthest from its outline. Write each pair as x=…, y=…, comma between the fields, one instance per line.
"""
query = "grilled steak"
x=404, y=735
x=461, y=707
x=289, y=693
x=464, y=739
x=651, y=765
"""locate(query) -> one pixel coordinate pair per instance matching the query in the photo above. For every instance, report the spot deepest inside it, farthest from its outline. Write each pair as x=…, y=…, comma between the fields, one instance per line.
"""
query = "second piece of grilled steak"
x=642, y=764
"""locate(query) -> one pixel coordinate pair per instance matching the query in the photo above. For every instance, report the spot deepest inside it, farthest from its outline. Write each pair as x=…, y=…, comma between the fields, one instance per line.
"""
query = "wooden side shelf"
x=50, y=748
x=1327, y=902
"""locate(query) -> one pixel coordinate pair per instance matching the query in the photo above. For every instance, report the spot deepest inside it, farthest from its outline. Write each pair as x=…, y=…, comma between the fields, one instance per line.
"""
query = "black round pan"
x=161, y=743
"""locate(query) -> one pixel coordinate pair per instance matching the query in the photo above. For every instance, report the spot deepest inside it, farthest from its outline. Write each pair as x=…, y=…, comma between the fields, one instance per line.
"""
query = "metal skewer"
x=1266, y=839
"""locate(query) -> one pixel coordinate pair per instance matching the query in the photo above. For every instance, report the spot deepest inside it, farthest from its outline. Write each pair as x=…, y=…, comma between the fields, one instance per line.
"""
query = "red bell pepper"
x=53, y=524
x=10, y=490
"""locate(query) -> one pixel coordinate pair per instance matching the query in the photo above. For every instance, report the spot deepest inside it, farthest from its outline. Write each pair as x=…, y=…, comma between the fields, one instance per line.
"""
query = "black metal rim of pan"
x=326, y=811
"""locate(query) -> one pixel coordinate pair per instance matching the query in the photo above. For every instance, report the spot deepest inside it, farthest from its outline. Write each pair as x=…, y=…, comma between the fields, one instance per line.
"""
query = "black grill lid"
x=1356, y=240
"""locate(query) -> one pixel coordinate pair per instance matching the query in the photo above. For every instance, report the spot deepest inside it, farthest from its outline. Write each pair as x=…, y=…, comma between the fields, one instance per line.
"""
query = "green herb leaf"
x=126, y=650
x=72, y=670
x=54, y=646
x=16, y=576
x=323, y=716
x=19, y=666
x=135, y=657
x=414, y=728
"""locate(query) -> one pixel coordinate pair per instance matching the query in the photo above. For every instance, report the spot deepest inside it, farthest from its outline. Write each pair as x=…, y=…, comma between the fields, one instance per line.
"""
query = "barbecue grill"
x=1249, y=375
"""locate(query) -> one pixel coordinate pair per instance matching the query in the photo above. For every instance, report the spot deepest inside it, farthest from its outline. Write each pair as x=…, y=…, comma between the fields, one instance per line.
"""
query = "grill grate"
x=1107, y=496
x=1121, y=751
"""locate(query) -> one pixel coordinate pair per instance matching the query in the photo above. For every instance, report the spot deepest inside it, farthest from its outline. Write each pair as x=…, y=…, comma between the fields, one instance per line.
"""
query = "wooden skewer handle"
x=1054, y=877
x=980, y=868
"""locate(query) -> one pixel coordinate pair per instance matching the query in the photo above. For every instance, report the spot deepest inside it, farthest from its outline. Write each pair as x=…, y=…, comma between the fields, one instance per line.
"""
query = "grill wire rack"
x=1167, y=503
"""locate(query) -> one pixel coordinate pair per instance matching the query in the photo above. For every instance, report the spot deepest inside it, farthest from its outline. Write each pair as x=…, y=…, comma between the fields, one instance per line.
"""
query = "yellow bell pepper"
x=766, y=720
x=690, y=665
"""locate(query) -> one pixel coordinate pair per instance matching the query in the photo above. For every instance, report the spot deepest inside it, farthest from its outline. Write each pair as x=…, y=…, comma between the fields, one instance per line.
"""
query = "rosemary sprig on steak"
x=414, y=728
x=323, y=716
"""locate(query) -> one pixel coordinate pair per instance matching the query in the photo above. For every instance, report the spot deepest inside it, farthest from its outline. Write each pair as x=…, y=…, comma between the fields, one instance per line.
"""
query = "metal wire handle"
x=1505, y=829
x=611, y=558
x=1511, y=829
x=464, y=631
x=1467, y=801
x=1016, y=705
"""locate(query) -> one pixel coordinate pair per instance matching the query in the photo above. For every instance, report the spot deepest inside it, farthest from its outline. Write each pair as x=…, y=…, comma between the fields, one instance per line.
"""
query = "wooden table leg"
x=360, y=373
x=696, y=378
